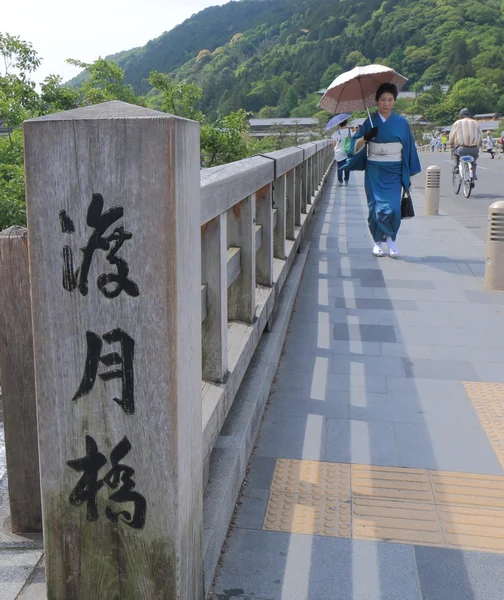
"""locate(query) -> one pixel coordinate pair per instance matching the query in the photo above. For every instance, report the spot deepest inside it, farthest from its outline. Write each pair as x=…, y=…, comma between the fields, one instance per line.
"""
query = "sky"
x=59, y=29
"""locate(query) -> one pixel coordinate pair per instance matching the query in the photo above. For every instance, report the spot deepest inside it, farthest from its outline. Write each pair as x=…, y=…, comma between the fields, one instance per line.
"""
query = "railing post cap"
x=14, y=231
x=497, y=206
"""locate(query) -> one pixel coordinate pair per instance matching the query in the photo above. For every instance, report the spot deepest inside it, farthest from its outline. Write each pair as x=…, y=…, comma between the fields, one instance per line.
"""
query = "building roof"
x=291, y=121
x=4, y=130
x=488, y=125
x=301, y=134
x=487, y=116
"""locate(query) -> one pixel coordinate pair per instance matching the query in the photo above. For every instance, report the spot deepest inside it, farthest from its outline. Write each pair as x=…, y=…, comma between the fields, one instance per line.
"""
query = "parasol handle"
x=364, y=100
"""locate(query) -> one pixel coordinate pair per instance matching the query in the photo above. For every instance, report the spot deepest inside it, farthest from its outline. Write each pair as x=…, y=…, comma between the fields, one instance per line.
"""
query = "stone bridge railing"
x=253, y=216
x=170, y=293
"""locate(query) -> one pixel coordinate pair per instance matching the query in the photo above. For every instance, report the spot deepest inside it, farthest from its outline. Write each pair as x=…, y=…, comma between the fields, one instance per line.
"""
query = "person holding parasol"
x=384, y=146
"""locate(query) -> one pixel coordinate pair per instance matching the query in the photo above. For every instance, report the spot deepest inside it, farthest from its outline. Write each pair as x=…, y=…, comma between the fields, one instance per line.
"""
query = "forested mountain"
x=273, y=53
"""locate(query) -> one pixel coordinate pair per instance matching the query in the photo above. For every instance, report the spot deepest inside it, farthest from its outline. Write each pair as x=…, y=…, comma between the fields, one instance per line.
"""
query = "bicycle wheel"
x=456, y=182
x=467, y=180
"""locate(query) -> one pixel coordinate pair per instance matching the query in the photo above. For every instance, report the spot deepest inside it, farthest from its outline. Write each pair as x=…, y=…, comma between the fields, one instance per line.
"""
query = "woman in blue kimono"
x=392, y=159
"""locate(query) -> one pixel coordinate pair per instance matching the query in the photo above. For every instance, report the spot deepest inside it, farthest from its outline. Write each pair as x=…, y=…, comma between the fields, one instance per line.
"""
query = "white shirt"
x=339, y=152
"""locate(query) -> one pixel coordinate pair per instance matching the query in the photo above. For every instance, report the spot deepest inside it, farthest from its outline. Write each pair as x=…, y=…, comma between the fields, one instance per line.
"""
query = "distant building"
x=418, y=120
x=487, y=117
x=356, y=122
x=484, y=126
x=4, y=130
x=290, y=126
x=444, y=88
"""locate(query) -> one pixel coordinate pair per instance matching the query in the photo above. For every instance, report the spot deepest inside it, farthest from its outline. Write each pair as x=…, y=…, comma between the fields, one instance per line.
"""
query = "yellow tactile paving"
x=409, y=522
x=488, y=400
x=413, y=506
x=391, y=483
x=309, y=513
x=311, y=476
x=468, y=489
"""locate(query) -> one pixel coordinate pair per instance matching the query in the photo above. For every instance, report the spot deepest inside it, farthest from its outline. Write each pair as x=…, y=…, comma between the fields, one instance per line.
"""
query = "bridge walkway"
x=378, y=471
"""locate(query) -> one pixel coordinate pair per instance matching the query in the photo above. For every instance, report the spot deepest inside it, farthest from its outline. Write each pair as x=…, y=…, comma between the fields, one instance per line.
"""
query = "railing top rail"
x=286, y=159
x=224, y=186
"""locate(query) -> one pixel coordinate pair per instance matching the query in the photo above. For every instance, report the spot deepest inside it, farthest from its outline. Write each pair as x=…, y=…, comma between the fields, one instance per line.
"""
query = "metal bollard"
x=432, y=190
x=494, y=260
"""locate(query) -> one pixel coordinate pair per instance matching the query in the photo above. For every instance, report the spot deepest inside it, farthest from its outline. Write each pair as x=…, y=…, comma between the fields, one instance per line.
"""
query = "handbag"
x=346, y=144
x=407, y=209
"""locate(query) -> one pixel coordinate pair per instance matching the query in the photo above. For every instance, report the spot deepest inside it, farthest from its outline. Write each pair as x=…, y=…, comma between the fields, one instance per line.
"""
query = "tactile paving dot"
x=488, y=401
x=314, y=514
x=311, y=477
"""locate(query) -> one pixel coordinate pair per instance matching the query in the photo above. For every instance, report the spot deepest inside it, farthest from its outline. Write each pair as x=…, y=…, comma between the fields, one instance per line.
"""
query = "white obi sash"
x=390, y=152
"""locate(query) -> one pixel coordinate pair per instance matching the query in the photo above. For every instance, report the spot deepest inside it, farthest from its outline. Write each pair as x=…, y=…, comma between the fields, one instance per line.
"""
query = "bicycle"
x=464, y=176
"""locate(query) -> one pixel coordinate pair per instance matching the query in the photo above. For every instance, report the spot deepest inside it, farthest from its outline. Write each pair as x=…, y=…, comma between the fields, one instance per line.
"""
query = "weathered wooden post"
x=18, y=383
x=115, y=267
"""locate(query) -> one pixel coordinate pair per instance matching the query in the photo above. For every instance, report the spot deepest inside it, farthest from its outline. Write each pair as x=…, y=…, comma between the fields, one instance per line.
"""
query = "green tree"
x=105, y=83
x=12, y=192
x=177, y=98
x=56, y=97
x=472, y=94
x=330, y=74
x=225, y=140
x=18, y=97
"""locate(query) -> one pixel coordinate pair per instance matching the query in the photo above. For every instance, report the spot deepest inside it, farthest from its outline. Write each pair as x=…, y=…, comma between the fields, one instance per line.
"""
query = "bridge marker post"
x=18, y=383
x=115, y=269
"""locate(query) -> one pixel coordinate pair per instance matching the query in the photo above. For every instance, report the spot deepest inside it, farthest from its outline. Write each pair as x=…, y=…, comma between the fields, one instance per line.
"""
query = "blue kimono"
x=384, y=180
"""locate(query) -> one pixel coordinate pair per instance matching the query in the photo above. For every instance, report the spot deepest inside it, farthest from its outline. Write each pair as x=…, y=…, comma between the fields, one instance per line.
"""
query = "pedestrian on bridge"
x=392, y=158
x=489, y=144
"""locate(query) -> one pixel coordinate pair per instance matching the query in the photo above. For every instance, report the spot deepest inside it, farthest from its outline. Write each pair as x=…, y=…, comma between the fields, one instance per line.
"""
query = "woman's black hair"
x=343, y=123
x=386, y=88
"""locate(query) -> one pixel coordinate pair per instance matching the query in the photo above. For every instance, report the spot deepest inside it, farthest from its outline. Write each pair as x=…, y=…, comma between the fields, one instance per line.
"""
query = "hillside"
x=274, y=52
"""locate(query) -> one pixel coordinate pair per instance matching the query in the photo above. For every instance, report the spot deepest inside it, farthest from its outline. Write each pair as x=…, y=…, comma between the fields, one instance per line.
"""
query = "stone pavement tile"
x=15, y=568
x=320, y=381
x=292, y=402
x=284, y=566
x=447, y=574
x=364, y=333
x=453, y=295
x=475, y=354
x=485, y=297
x=436, y=388
x=414, y=408
x=324, y=315
x=361, y=442
x=36, y=589
x=374, y=304
x=491, y=372
x=426, y=368
x=409, y=284
x=260, y=471
x=387, y=366
x=292, y=437
x=422, y=319
x=445, y=447
x=343, y=290
x=442, y=336
x=226, y=596
x=251, y=506
x=304, y=358
x=364, y=349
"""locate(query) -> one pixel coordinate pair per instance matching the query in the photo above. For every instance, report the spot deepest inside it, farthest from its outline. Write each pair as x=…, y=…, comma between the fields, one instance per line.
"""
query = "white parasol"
x=355, y=90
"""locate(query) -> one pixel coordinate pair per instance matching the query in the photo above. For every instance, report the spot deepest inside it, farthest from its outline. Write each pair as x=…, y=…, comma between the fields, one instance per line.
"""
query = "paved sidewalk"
x=378, y=472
